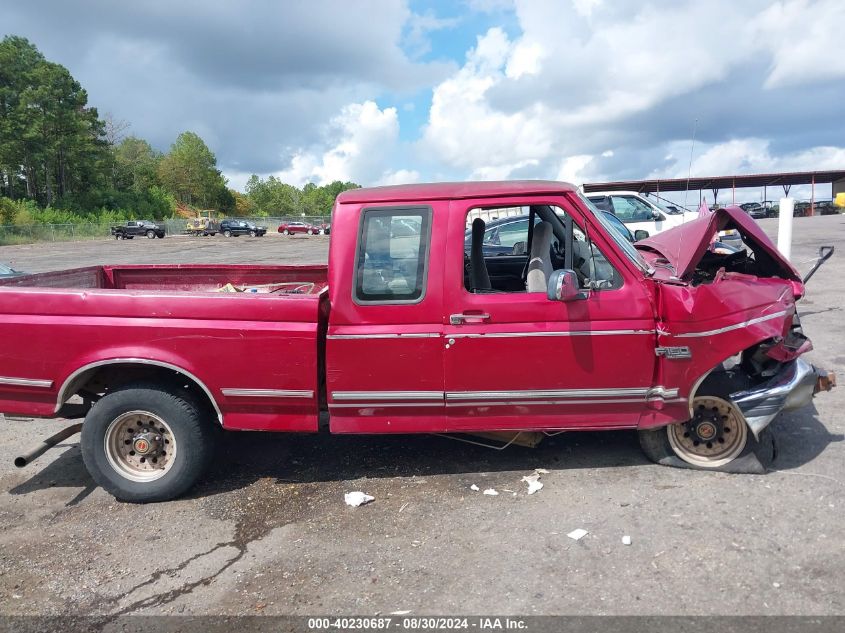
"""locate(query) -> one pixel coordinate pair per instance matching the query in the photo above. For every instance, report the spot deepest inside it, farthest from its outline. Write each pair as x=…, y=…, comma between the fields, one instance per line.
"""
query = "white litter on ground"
x=474, y=487
x=400, y=612
x=491, y=492
x=541, y=471
x=577, y=535
x=534, y=483
x=626, y=540
x=357, y=498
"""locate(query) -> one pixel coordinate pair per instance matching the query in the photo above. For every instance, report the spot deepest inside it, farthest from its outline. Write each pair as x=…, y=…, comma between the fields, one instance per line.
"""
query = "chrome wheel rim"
x=140, y=446
x=717, y=417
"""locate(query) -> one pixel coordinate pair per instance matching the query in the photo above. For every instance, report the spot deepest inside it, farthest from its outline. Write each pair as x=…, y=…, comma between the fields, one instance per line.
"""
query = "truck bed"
x=182, y=277
x=248, y=335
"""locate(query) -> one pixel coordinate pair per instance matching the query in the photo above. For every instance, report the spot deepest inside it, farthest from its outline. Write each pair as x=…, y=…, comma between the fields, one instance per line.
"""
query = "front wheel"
x=144, y=443
x=151, y=235
x=252, y=233
x=715, y=438
x=286, y=232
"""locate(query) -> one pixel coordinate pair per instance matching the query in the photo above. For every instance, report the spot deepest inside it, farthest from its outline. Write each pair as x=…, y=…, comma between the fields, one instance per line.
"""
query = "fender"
x=701, y=327
x=68, y=388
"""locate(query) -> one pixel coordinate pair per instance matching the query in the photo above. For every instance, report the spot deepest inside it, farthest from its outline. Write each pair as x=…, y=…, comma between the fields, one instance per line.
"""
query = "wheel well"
x=107, y=376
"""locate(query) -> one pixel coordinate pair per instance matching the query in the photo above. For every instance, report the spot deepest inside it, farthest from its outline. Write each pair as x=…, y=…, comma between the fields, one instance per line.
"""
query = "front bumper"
x=792, y=387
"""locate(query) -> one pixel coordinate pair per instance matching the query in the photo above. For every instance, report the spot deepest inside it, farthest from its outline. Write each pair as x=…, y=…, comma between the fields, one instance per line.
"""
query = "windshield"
x=663, y=207
x=623, y=243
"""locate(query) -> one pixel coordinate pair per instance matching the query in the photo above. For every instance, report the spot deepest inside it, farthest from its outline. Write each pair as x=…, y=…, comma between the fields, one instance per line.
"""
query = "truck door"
x=384, y=350
x=516, y=360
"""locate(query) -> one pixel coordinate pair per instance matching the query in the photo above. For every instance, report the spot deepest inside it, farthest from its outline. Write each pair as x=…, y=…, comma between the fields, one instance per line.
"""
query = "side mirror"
x=520, y=248
x=640, y=234
x=656, y=215
x=563, y=286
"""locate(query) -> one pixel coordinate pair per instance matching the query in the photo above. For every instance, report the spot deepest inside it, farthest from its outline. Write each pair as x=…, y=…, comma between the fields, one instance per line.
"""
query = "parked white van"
x=641, y=213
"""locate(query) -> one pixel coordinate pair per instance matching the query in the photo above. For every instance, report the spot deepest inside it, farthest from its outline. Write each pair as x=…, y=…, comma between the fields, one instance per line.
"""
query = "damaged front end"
x=792, y=387
x=729, y=336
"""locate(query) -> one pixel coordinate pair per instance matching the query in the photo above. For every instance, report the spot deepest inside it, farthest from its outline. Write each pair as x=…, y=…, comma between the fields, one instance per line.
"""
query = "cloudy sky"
x=386, y=91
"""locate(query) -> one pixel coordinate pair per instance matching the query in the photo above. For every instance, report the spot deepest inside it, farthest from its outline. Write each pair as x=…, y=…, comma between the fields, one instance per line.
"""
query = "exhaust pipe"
x=43, y=446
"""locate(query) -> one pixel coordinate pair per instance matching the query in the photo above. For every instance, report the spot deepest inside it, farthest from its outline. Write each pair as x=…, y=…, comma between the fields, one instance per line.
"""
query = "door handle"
x=458, y=319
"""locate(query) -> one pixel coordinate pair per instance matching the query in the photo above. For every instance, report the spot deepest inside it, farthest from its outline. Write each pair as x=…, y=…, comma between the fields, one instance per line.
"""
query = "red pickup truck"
x=406, y=331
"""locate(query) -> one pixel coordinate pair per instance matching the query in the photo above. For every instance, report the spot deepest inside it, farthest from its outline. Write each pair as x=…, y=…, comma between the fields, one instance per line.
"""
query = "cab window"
x=392, y=258
x=505, y=247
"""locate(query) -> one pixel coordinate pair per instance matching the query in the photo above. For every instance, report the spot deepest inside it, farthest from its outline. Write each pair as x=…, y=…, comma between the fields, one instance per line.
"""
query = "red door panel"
x=532, y=363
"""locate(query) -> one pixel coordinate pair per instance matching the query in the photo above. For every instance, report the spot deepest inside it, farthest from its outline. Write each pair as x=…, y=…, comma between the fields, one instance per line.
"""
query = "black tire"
x=117, y=236
x=756, y=454
x=194, y=430
x=286, y=232
x=151, y=235
x=227, y=234
x=252, y=234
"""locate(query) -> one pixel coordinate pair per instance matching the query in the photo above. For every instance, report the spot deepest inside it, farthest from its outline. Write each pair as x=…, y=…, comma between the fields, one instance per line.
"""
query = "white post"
x=787, y=206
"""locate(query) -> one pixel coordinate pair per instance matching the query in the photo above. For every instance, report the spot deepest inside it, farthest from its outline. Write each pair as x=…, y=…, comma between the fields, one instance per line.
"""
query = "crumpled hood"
x=685, y=245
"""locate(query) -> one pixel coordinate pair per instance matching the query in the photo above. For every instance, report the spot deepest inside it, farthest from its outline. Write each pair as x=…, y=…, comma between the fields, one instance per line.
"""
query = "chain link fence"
x=15, y=234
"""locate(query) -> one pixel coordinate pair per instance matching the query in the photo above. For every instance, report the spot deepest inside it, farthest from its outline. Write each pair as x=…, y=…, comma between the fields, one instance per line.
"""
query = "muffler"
x=44, y=445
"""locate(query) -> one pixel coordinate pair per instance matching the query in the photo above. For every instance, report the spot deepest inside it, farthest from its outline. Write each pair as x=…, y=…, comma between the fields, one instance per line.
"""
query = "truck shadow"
x=245, y=457
x=65, y=471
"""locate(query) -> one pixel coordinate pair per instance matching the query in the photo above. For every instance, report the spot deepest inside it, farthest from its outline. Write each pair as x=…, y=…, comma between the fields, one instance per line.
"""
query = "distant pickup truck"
x=405, y=332
x=135, y=228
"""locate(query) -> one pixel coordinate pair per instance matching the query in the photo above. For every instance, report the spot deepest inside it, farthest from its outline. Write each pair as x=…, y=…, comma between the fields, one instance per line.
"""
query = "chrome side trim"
x=387, y=395
x=348, y=337
x=635, y=392
x=567, y=333
x=505, y=403
x=735, y=326
x=382, y=405
x=661, y=393
x=26, y=382
x=267, y=393
x=134, y=361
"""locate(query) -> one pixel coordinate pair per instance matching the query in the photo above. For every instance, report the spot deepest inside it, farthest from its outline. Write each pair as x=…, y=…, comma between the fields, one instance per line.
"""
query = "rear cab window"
x=391, y=264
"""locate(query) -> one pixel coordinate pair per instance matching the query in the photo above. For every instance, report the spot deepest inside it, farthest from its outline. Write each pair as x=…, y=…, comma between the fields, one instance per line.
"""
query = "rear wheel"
x=227, y=233
x=146, y=443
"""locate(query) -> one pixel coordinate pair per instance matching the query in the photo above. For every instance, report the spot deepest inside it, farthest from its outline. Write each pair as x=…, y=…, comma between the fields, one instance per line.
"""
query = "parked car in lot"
x=325, y=228
x=755, y=209
x=8, y=271
x=292, y=228
x=825, y=207
x=641, y=213
x=695, y=350
x=801, y=209
x=136, y=228
x=234, y=228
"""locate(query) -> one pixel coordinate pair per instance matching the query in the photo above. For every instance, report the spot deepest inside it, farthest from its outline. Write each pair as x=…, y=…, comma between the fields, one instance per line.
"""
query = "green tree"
x=53, y=141
x=189, y=172
x=137, y=164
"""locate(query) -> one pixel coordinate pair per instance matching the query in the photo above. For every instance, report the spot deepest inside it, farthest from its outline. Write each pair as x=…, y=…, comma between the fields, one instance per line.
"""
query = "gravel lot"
x=267, y=532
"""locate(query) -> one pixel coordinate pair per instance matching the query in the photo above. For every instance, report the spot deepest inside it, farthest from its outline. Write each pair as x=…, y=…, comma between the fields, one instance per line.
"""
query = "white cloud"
x=465, y=131
x=804, y=40
x=753, y=156
x=360, y=145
